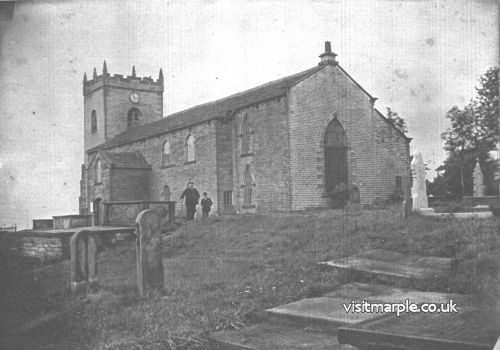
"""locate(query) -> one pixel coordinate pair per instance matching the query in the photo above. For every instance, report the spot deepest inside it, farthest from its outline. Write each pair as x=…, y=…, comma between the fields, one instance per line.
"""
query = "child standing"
x=206, y=203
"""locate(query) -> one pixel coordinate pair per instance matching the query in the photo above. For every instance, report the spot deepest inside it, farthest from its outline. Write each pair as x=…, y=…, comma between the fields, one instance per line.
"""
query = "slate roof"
x=218, y=109
x=207, y=111
x=125, y=159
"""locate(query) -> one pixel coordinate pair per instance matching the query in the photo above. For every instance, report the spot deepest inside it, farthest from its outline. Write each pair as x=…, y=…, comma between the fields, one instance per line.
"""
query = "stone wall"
x=109, y=97
x=314, y=103
x=118, y=105
x=45, y=248
x=269, y=161
x=179, y=171
x=129, y=184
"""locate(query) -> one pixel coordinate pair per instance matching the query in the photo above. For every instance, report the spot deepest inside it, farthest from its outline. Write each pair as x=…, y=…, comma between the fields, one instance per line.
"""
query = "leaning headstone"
x=149, y=252
x=419, y=187
x=83, y=250
x=478, y=181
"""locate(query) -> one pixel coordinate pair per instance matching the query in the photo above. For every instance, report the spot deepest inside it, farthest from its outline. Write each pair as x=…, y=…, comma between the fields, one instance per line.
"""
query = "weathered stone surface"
x=150, y=273
x=399, y=267
x=276, y=337
x=328, y=311
x=83, y=251
x=469, y=329
x=478, y=181
x=419, y=187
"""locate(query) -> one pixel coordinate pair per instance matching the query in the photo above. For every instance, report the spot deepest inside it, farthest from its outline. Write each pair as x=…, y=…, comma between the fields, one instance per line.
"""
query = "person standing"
x=192, y=197
x=206, y=203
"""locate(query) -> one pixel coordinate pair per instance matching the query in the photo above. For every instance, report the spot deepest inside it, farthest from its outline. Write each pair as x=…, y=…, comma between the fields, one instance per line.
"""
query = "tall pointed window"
x=98, y=171
x=190, y=151
x=93, y=122
x=248, y=182
x=335, y=144
x=166, y=193
x=165, y=155
x=246, y=137
x=134, y=116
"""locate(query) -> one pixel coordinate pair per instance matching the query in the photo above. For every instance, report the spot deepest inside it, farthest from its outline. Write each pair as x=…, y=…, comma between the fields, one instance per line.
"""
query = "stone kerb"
x=83, y=251
x=149, y=250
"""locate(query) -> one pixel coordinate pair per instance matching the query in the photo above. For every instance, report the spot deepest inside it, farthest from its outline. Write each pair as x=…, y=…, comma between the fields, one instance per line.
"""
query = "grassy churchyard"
x=223, y=272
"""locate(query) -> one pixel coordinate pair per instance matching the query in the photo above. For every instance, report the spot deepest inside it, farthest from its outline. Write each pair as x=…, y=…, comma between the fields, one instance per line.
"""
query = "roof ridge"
x=244, y=91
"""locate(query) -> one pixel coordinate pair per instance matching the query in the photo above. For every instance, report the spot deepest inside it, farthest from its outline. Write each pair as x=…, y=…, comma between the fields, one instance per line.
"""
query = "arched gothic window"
x=335, y=144
x=190, y=150
x=134, y=116
x=93, y=122
x=98, y=171
x=248, y=182
x=246, y=136
x=165, y=155
x=166, y=193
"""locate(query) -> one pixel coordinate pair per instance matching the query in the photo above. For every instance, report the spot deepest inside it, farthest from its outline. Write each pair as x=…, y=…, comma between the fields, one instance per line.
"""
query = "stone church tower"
x=113, y=105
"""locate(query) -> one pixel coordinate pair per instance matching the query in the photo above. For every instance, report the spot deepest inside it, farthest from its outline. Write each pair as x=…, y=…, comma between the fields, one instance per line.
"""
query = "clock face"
x=134, y=97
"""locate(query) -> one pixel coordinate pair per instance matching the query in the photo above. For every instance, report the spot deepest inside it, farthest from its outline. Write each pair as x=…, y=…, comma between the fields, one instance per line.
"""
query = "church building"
x=282, y=146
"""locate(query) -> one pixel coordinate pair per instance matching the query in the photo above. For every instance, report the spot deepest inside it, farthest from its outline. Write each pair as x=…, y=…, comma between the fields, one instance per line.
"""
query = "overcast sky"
x=418, y=57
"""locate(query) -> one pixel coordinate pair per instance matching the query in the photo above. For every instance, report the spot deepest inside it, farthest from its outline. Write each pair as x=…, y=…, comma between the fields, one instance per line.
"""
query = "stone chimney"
x=328, y=57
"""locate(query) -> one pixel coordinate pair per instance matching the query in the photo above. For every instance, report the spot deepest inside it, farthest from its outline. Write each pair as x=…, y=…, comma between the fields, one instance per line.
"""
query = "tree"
x=397, y=121
x=473, y=134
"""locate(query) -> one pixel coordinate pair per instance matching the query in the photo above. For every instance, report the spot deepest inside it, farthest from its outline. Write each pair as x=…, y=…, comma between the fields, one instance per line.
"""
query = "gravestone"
x=419, y=187
x=149, y=252
x=83, y=250
x=478, y=181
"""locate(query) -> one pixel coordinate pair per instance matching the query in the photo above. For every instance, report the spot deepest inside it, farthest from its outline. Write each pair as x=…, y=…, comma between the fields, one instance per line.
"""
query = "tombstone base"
x=424, y=211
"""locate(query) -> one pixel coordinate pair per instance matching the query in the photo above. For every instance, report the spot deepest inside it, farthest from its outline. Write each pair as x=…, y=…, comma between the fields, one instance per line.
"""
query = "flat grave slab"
x=469, y=329
x=267, y=336
x=328, y=312
x=392, y=264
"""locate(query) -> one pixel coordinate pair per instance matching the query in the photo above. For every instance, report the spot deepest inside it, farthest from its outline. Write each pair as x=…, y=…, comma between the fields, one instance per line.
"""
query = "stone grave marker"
x=419, y=187
x=83, y=250
x=149, y=252
x=478, y=181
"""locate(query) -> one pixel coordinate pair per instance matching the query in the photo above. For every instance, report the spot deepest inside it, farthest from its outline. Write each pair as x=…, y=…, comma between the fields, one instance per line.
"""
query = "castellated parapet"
x=119, y=81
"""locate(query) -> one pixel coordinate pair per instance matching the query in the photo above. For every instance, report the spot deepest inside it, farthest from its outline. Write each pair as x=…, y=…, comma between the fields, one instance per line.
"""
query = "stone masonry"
x=285, y=122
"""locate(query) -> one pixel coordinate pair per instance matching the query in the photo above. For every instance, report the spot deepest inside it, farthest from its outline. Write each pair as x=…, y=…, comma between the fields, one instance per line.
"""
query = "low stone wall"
x=45, y=246
x=485, y=200
x=72, y=221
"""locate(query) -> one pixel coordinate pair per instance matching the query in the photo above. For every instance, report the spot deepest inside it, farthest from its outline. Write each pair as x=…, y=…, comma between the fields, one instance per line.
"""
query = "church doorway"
x=335, y=144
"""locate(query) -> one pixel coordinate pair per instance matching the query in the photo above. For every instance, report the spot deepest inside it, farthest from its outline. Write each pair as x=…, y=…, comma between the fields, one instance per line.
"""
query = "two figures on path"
x=192, y=197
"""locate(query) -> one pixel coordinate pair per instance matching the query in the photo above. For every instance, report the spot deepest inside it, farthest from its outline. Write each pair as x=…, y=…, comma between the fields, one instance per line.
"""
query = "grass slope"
x=221, y=273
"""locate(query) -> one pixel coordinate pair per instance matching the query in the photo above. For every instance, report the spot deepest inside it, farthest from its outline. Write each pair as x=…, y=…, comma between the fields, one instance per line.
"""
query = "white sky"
x=418, y=57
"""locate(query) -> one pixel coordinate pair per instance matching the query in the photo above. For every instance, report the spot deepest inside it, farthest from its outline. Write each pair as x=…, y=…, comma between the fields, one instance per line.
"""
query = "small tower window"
x=134, y=116
x=248, y=182
x=98, y=172
x=246, y=137
x=93, y=122
x=190, y=151
x=165, y=156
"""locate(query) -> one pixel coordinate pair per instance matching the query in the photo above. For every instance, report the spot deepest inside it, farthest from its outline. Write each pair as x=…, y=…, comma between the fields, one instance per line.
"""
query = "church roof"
x=125, y=159
x=384, y=118
x=208, y=111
